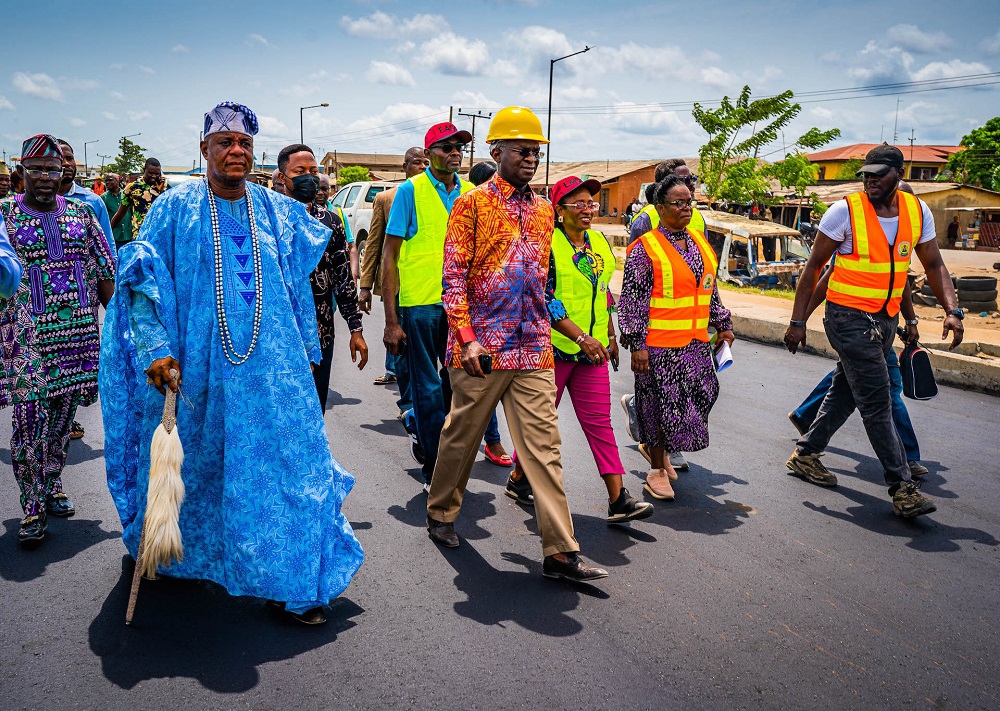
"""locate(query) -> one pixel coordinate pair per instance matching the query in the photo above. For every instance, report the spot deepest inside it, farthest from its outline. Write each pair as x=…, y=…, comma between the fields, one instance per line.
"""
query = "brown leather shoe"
x=442, y=533
x=574, y=569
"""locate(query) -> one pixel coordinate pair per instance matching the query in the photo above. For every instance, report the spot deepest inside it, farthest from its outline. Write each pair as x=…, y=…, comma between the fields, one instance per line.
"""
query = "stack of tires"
x=975, y=293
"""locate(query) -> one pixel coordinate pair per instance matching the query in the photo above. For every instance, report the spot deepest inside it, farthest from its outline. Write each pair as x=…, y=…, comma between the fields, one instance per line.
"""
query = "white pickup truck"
x=356, y=200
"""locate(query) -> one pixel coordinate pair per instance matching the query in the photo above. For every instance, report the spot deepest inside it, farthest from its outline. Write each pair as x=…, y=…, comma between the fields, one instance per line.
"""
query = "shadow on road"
x=187, y=628
x=333, y=398
x=875, y=514
x=696, y=508
x=80, y=451
x=386, y=427
x=870, y=469
x=522, y=597
x=64, y=539
x=475, y=508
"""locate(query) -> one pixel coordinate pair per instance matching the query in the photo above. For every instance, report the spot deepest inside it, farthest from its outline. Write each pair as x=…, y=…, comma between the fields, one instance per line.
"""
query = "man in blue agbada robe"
x=217, y=287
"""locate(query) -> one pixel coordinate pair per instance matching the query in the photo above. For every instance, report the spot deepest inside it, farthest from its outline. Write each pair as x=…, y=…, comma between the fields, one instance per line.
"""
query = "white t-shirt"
x=836, y=224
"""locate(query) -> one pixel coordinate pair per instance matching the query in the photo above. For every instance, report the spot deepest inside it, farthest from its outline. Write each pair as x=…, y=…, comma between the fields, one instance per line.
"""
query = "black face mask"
x=305, y=187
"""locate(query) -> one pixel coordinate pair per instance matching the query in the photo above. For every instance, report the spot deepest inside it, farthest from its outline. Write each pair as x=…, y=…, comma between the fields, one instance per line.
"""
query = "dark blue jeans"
x=806, y=412
x=426, y=329
x=860, y=380
x=492, y=430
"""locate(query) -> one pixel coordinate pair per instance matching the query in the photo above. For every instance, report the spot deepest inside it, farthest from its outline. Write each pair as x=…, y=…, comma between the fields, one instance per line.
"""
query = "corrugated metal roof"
x=744, y=225
x=918, y=154
x=832, y=192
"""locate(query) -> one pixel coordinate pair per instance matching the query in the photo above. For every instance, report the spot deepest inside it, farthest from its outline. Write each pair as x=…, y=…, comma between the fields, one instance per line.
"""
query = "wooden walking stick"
x=160, y=541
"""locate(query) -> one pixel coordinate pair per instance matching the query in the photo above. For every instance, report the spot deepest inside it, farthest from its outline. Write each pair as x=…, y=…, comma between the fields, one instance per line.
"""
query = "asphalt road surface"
x=752, y=590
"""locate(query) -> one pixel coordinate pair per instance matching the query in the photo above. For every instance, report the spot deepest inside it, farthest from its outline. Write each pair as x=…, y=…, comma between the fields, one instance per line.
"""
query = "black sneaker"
x=520, y=491
x=60, y=505
x=909, y=502
x=416, y=451
x=626, y=508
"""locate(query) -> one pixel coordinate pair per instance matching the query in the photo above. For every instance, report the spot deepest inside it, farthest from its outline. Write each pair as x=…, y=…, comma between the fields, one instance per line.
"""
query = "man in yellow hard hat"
x=496, y=262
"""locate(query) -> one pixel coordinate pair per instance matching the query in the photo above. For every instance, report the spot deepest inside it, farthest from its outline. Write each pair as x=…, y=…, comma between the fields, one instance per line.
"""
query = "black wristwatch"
x=957, y=312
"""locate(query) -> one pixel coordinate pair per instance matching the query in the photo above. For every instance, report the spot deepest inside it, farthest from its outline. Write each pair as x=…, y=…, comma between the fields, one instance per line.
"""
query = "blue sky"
x=391, y=69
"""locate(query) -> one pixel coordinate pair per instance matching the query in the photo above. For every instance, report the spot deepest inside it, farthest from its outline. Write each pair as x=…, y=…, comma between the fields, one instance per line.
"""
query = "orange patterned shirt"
x=496, y=263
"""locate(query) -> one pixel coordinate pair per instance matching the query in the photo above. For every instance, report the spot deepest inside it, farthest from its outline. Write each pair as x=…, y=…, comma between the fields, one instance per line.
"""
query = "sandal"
x=76, y=430
x=386, y=379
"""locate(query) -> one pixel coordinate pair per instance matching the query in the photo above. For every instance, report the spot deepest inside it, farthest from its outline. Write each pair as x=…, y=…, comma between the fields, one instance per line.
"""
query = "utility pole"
x=896, y=122
x=86, y=167
x=477, y=115
x=912, y=139
x=103, y=158
x=451, y=111
x=548, y=128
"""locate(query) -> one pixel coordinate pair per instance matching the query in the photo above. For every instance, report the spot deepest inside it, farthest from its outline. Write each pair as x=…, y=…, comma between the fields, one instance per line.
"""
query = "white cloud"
x=180, y=49
x=139, y=115
x=389, y=74
x=914, y=39
x=575, y=92
x=719, y=78
x=117, y=95
x=992, y=44
x=117, y=66
x=108, y=116
x=271, y=128
x=39, y=85
x=631, y=120
x=949, y=70
x=5, y=103
x=882, y=65
x=381, y=25
x=299, y=91
x=469, y=100
x=255, y=39
x=146, y=70
x=455, y=56
x=77, y=122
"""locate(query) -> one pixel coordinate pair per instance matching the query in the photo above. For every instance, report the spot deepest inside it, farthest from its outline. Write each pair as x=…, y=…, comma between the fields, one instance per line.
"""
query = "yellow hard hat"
x=515, y=122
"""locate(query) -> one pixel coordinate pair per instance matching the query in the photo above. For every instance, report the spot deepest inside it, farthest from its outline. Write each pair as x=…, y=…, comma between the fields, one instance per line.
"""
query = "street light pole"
x=302, y=109
x=548, y=128
x=86, y=169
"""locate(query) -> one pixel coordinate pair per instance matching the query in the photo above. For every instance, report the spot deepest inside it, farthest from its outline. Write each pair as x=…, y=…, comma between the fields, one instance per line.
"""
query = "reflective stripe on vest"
x=586, y=303
x=697, y=219
x=679, y=306
x=872, y=276
x=421, y=258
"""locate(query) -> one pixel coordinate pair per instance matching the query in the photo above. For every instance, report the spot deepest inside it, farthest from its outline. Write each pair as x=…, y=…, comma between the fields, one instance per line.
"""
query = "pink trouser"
x=589, y=388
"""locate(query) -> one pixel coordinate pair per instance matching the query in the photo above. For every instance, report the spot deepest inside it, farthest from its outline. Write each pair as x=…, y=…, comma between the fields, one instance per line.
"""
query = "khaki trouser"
x=528, y=398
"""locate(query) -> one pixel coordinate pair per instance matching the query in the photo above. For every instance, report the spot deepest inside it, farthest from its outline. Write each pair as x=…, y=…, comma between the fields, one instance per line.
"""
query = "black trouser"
x=861, y=377
x=322, y=375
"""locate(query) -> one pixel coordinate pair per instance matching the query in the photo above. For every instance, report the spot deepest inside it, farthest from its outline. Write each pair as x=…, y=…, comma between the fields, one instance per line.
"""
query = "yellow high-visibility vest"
x=421, y=258
x=586, y=302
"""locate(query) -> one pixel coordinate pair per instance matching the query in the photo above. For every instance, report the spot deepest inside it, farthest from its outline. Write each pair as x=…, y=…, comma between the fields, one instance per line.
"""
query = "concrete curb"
x=963, y=371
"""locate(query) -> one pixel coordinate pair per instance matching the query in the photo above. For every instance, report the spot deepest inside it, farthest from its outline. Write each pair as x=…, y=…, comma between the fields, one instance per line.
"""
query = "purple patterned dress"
x=674, y=398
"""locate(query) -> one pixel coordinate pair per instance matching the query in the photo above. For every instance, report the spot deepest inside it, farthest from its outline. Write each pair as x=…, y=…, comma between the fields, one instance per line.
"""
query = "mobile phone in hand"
x=486, y=363
x=614, y=363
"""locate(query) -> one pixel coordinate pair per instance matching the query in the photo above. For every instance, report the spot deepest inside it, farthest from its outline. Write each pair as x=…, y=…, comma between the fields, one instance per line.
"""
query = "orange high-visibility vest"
x=872, y=276
x=678, y=309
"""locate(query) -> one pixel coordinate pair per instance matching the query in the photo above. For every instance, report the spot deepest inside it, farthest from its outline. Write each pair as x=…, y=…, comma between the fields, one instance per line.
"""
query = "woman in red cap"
x=583, y=338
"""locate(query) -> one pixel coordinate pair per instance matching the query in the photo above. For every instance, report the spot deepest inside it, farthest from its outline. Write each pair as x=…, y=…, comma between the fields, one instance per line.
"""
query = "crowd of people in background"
x=225, y=290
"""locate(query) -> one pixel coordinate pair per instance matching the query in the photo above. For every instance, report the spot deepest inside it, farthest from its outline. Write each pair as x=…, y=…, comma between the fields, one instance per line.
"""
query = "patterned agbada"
x=138, y=197
x=262, y=514
x=50, y=340
x=64, y=254
x=496, y=264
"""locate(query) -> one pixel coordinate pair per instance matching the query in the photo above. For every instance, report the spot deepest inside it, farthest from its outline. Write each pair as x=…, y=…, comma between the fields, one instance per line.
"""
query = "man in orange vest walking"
x=874, y=233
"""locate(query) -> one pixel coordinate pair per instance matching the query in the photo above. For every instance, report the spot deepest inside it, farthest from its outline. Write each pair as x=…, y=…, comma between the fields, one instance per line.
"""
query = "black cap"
x=880, y=159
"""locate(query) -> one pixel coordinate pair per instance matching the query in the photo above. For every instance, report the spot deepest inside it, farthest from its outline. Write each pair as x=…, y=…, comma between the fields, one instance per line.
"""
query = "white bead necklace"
x=228, y=348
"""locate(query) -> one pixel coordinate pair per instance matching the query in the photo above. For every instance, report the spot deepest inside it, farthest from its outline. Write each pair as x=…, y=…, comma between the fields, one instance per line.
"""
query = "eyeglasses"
x=689, y=179
x=525, y=152
x=582, y=204
x=451, y=147
x=679, y=203
x=39, y=174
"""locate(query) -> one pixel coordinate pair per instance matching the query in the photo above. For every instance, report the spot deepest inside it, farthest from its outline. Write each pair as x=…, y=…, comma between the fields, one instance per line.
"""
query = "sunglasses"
x=679, y=204
x=689, y=179
x=525, y=152
x=39, y=174
x=582, y=204
x=451, y=147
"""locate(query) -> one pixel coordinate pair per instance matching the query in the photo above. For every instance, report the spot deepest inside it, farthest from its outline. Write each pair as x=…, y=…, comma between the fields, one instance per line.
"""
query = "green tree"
x=849, y=170
x=352, y=174
x=798, y=173
x=130, y=159
x=738, y=130
x=978, y=163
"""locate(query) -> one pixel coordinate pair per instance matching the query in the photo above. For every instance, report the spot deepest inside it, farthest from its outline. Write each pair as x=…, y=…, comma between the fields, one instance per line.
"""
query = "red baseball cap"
x=571, y=184
x=440, y=131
